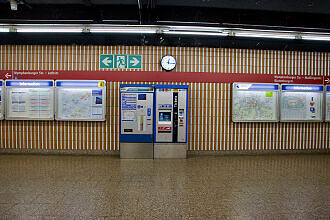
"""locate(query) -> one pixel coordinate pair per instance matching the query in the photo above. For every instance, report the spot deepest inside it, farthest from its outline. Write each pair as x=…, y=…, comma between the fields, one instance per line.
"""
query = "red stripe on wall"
x=160, y=76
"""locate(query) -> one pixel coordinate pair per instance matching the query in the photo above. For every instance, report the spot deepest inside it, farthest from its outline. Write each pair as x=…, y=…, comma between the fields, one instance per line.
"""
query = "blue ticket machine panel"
x=136, y=120
x=327, y=104
x=2, y=103
x=171, y=117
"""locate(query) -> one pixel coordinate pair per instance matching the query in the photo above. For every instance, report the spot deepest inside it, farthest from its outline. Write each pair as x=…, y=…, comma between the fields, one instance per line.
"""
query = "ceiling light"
x=13, y=5
x=264, y=34
x=122, y=29
x=4, y=29
x=316, y=37
x=205, y=33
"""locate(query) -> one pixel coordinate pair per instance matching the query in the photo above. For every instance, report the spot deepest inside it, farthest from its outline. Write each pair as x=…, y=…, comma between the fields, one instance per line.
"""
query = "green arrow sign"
x=134, y=61
x=106, y=61
x=120, y=61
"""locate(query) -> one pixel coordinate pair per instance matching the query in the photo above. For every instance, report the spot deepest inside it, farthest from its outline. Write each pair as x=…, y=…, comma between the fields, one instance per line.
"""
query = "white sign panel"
x=301, y=103
x=30, y=100
x=255, y=102
x=80, y=100
x=2, y=103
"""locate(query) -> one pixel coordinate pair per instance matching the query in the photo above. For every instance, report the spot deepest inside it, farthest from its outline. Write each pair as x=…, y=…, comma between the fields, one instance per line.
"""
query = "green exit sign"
x=120, y=61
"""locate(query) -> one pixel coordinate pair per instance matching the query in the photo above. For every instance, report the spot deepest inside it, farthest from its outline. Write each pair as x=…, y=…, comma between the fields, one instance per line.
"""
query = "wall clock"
x=168, y=62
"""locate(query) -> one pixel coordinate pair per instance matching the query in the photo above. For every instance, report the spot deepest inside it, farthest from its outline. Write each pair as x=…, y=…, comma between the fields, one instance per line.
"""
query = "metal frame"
x=104, y=99
x=321, y=101
x=277, y=101
x=27, y=118
x=2, y=100
x=326, y=92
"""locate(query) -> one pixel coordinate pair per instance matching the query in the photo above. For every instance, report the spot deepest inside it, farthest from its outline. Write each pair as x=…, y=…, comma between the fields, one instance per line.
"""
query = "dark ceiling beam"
x=150, y=13
x=87, y=3
x=139, y=2
x=161, y=40
x=70, y=12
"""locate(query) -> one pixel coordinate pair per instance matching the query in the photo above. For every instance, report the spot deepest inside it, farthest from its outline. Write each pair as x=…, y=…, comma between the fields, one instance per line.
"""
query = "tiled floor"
x=207, y=187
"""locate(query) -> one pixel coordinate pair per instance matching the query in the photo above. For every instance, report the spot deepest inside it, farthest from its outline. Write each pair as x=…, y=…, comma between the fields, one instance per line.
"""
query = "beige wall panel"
x=210, y=126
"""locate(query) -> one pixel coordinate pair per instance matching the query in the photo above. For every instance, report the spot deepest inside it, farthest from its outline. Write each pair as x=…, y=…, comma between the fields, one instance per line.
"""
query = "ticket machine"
x=136, y=120
x=171, y=117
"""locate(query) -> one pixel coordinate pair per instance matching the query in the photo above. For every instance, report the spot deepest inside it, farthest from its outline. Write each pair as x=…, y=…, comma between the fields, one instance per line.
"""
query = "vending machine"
x=1, y=100
x=136, y=120
x=171, y=117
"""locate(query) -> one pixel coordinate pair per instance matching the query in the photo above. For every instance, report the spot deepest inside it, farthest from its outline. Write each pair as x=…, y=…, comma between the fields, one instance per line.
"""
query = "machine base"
x=136, y=150
x=170, y=150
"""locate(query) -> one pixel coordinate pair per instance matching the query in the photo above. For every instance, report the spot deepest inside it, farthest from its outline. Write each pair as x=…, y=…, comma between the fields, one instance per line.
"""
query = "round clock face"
x=168, y=63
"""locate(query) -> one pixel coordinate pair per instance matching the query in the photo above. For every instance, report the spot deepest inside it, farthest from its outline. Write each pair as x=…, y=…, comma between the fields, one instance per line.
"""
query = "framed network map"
x=255, y=102
x=80, y=100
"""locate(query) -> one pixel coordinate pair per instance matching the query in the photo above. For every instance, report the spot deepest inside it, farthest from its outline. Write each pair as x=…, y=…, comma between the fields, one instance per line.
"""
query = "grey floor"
x=206, y=187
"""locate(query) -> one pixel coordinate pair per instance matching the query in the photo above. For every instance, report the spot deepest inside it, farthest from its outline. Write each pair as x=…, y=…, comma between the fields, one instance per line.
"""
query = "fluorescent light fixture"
x=165, y=29
x=193, y=30
x=13, y=5
x=134, y=29
x=123, y=30
x=316, y=37
x=195, y=33
x=54, y=29
x=4, y=29
x=264, y=34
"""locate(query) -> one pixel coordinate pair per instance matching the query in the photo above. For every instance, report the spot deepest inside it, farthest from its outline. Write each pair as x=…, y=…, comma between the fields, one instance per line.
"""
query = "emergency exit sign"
x=120, y=61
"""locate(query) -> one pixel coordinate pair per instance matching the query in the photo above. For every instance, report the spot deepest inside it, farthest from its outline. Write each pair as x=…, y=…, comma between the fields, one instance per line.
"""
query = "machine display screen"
x=164, y=116
x=142, y=96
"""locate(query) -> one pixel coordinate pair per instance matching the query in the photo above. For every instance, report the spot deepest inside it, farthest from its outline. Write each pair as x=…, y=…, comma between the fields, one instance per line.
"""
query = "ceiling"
x=298, y=14
x=289, y=13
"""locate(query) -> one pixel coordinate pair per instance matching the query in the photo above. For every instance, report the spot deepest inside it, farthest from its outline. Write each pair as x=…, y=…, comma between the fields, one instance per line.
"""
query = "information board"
x=255, y=102
x=30, y=100
x=80, y=100
x=327, y=104
x=301, y=102
x=1, y=100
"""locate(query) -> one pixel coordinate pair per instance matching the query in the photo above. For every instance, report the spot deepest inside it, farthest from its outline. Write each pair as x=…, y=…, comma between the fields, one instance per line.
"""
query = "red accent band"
x=161, y=76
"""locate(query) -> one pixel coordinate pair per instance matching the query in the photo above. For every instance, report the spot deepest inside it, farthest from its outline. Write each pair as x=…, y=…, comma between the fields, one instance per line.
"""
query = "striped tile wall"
x=210, y=126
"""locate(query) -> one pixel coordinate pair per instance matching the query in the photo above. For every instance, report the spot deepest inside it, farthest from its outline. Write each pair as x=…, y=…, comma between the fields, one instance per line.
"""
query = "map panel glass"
x=303, y=106
x=30, y=103
x=80, y=104
x=254, y=105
